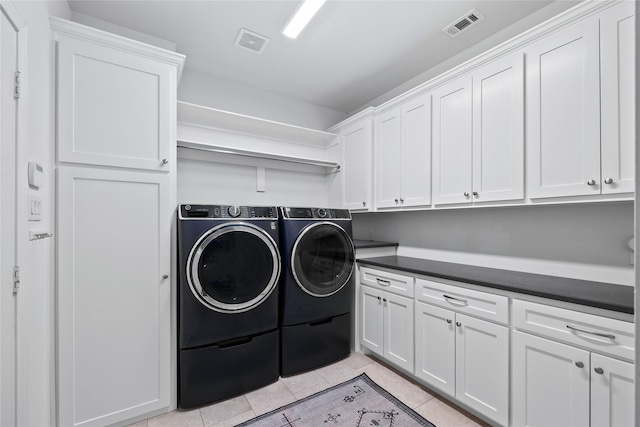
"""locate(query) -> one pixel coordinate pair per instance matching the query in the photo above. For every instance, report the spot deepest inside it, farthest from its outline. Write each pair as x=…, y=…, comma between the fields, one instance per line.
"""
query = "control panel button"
x=234, y=211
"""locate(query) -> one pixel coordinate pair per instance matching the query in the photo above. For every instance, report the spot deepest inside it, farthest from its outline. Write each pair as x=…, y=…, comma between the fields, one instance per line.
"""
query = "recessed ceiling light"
x=302, y=17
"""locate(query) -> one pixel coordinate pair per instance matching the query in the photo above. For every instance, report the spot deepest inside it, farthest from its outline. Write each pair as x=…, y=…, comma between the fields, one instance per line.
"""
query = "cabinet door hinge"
x=16, y=279
x=16, y=85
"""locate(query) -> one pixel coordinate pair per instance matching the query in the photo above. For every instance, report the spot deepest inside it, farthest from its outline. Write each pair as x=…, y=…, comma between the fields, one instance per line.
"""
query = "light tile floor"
x=233, y=411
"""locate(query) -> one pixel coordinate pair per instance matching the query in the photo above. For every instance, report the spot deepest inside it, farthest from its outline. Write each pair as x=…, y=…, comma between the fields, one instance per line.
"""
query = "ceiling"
x=352, y=52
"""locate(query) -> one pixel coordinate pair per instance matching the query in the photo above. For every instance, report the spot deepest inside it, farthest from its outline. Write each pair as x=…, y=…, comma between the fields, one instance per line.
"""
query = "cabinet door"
x=398, y=330
x=612, y=392
x=356, y=141
x=435, y=347
x=113, y=300
x=371, y=319
x=452, y=138
x=563, y=112
x=498, y=131
x=115, y=108
x=550, y=383
x=387, y=154
x=482, y=367
x=416, y=152
x=617, y=37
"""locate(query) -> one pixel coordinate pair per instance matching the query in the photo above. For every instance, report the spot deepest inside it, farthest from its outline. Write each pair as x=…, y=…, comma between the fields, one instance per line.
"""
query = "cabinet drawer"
x=479, y=304
x=390, y=282
x=595, y=333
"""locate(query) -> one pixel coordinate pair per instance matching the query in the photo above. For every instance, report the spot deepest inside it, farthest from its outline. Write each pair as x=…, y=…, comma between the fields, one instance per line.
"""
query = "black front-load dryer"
x=317, y=287
x=228, y=301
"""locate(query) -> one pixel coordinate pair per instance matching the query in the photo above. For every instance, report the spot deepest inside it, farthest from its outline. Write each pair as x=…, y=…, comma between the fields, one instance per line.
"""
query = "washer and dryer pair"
x=262, y=292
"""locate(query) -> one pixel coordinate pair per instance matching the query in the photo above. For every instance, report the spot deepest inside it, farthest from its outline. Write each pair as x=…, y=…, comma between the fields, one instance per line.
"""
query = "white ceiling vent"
x=462, y=23
x=251, y=41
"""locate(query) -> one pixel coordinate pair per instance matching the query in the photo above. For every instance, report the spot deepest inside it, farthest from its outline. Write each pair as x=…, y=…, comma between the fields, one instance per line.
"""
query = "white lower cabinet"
x=464, y=357
x=537, y=365
x=387, y=326
x=558, y=384
x=113, y=295
x=386, y=315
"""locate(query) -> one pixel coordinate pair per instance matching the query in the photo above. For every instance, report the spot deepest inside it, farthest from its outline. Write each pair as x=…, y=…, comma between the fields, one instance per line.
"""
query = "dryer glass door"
x=233, y=267
x=322, y=259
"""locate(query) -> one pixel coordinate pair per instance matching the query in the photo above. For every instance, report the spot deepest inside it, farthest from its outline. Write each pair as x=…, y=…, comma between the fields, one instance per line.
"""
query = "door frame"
x=8, y=9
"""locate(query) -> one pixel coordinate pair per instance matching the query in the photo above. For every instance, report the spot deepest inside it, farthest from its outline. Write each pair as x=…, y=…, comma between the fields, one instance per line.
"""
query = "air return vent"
x=463, y=23
x=251, y=41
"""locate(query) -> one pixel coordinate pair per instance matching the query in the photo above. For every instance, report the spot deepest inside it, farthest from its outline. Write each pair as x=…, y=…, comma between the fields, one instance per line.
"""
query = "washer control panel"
x=228, y=212
x=315, y=213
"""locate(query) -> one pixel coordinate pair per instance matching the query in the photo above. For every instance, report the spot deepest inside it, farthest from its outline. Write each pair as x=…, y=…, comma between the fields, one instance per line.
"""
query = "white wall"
x=587, y=241
x=36, y=259
x=214, y=92
x=203, y=182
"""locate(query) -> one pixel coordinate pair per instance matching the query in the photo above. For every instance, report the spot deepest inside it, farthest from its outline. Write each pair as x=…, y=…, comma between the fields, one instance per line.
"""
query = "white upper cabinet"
x=116, y=100
x=498, y=131
x=452, y=142
x=356, y=139
x=617, y=55
x=563, y=113
x=478, y=135
x=387, y=159
x=403, y=155
x=581, y=108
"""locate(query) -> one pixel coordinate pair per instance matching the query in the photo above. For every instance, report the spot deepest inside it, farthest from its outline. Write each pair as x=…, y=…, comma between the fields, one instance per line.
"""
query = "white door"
x=550, y=383
x=482, y=367
x=113, y=293
x=452, y=138
x=356, y=142
x=113, y=106
x=617, y=50
x=398, y=330
x=388, y=141
x=435, y=347
x=612, y=392
x=563, y=112
x=415, y=169
x=8, y=123
x=371, y=319
x=498, y=131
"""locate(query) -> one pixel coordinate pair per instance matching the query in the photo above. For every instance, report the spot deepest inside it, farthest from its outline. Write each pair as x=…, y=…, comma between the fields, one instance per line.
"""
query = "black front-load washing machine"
x=317, y=287
x=228, y=297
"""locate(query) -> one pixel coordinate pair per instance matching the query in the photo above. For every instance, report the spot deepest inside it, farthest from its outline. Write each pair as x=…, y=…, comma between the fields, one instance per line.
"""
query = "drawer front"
x=390, y=282
x=479, y=304
x=596, y=333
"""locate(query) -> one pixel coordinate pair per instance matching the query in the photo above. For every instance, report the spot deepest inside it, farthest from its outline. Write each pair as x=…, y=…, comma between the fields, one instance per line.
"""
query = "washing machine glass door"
x=233, y=267
x=322, y=259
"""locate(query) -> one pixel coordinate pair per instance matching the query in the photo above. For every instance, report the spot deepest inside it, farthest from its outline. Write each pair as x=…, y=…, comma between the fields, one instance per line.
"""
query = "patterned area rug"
x=358, y=402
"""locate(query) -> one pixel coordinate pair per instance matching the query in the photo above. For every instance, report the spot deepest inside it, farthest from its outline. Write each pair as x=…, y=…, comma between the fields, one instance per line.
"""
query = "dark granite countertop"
x=365, y=244
x=595, y=294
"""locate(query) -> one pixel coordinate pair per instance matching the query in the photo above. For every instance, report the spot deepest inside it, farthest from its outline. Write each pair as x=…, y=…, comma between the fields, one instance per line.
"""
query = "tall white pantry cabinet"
x=116, y=131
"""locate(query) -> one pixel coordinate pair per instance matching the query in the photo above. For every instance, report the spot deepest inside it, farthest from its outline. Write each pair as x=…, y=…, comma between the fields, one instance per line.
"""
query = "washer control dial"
x=322, y=213
x=234, y=211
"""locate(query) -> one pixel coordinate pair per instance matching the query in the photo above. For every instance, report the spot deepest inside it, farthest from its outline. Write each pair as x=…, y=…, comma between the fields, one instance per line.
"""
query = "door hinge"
x=16, y=85
x=16, y=279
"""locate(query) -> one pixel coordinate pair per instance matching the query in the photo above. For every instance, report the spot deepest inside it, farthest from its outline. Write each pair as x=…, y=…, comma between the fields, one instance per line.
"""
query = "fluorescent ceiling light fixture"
x=302, y=17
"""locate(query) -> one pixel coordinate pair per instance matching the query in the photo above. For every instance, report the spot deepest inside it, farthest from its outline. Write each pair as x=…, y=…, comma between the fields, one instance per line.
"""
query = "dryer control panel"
x=315, y=213
x=228, y=212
